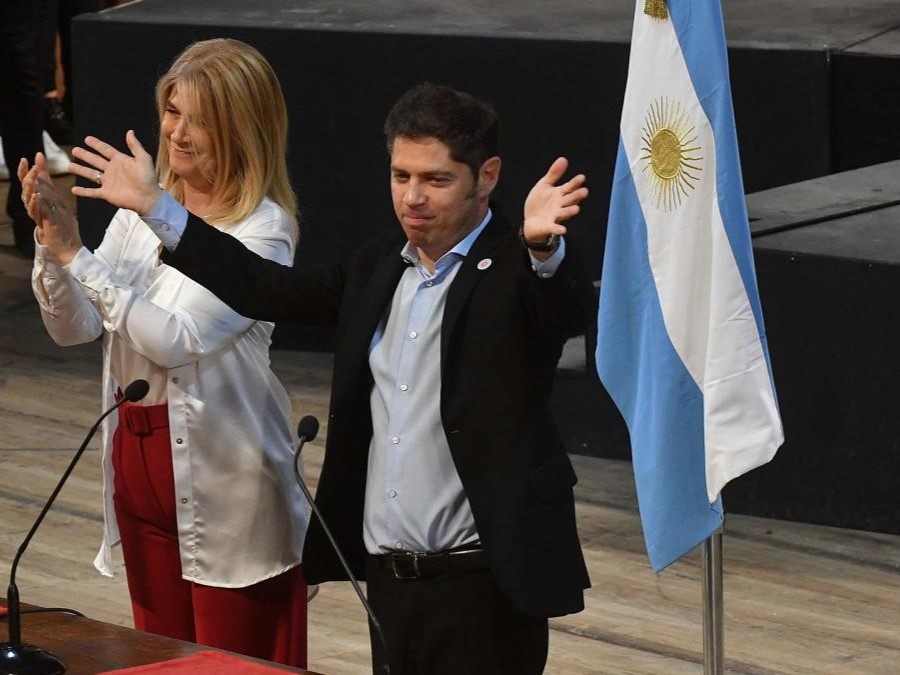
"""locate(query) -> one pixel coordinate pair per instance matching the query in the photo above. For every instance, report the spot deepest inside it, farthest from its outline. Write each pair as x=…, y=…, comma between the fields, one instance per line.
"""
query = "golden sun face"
x=668, y=144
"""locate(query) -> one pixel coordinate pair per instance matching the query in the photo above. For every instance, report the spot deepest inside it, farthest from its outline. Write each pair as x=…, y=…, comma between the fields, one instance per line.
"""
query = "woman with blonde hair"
x=198, y=483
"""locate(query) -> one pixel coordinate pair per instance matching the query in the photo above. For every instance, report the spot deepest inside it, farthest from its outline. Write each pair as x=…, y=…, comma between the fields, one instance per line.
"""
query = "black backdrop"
x=816, y=91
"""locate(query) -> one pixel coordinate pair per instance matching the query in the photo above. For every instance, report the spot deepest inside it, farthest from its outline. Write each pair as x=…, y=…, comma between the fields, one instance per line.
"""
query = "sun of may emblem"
x=669, y=148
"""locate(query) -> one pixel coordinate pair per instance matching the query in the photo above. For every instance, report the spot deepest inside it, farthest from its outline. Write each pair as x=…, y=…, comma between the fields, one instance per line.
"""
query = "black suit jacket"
x=501, y=337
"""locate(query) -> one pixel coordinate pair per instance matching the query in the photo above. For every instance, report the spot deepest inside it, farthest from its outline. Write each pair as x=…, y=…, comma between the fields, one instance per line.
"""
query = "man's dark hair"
x=470, y=128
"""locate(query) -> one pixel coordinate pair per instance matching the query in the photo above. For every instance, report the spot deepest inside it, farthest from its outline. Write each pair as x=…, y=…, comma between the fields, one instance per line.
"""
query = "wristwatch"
x=545, y=247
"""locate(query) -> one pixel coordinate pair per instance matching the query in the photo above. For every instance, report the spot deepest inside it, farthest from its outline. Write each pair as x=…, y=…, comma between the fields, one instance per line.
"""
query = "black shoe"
x=57, y=124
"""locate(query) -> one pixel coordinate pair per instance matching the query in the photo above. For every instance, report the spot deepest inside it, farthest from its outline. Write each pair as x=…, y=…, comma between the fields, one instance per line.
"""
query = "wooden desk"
x=87, y=646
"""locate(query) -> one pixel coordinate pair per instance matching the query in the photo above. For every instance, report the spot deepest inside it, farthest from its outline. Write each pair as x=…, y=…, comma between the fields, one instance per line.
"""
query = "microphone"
x=306, y=431
x=21, y=659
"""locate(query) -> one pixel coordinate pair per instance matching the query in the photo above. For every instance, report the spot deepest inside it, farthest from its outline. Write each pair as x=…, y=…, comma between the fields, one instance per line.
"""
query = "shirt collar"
x=461, y=250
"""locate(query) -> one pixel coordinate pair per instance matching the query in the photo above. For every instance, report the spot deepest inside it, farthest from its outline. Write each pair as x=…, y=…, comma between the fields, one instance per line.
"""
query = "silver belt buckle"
x=408, y=567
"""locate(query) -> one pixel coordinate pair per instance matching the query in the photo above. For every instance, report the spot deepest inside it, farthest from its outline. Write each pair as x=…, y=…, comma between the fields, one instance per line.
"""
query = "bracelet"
x=546, y=247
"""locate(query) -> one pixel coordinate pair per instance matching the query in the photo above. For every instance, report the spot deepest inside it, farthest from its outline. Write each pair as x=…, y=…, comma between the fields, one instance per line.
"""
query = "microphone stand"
x=302, y=432
x=23, y=659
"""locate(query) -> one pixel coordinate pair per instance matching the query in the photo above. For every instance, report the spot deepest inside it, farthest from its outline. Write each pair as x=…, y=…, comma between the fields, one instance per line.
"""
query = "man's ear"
x=488, y=176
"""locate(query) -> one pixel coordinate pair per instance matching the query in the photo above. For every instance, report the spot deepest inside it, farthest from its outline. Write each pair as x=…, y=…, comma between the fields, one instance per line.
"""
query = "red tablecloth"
x=202, y=663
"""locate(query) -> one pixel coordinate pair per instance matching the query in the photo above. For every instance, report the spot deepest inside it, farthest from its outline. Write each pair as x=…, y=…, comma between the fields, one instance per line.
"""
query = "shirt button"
x=404, y=387
x=83, y=277
x=545, y=275
x=184, y=500
x=179, y=441
x=399, y=544
x=413, y=335
x=395, y=440
x=165, y=228
x=392, y=493
x=429, y=283
x=174, y=380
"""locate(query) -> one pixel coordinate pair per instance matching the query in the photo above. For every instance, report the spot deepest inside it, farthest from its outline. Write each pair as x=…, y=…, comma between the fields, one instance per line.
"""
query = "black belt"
x=413, y=566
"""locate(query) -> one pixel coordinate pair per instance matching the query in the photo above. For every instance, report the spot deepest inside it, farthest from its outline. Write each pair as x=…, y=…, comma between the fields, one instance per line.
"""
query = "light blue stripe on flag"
x=651, y=387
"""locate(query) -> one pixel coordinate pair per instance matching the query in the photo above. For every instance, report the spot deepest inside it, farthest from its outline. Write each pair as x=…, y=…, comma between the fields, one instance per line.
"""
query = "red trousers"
x=266, y=620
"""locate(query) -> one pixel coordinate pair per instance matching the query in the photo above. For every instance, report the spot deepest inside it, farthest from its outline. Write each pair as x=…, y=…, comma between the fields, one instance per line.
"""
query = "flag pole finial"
x=656, y=8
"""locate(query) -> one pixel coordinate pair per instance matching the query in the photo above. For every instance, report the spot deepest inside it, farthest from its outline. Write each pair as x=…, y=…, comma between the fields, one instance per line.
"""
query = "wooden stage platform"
x=798, y=598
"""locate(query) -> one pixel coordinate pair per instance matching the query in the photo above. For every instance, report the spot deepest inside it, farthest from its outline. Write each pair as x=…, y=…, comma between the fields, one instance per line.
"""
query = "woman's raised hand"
x=46, y=205
x=125, y=180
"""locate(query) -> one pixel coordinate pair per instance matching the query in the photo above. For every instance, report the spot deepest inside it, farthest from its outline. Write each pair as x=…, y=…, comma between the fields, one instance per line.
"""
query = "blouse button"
x=184, y=500
x=179, y=441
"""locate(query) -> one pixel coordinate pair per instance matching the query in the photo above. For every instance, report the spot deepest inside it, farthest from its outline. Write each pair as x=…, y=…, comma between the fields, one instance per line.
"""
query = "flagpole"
x=713, y=615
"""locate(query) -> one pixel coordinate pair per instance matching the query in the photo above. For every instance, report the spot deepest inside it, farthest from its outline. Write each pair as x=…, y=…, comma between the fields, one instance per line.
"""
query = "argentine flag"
x=681, y=345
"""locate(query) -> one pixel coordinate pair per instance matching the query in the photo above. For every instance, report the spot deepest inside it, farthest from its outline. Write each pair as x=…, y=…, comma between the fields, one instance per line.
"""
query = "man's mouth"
x=414, y=219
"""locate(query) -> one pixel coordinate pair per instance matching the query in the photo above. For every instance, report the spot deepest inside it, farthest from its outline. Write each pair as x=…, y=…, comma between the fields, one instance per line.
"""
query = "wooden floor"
x=798, y=598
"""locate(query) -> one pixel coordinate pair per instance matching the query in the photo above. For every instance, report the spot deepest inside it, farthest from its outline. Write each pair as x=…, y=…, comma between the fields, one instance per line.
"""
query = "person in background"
x=56, y=121
x=198, y=480
x=21, y=104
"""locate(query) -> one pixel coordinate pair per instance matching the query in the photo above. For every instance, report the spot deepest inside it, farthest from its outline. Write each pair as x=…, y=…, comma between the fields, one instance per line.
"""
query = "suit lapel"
x=469, y=276
x=377, y=295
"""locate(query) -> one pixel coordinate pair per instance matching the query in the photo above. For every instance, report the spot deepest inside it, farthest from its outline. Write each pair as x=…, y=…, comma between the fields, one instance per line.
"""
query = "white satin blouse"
x=241, y=516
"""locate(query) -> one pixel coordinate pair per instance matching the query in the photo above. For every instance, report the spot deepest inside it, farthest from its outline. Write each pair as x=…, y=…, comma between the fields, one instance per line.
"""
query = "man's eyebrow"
x=425, y=174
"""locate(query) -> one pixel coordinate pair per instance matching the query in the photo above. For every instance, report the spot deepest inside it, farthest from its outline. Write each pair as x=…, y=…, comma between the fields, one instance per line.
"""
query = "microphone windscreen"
x=308, y=428
x=135, y=391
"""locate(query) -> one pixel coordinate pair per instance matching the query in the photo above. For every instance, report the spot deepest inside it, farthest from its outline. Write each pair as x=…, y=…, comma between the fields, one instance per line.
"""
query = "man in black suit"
x=444, y=476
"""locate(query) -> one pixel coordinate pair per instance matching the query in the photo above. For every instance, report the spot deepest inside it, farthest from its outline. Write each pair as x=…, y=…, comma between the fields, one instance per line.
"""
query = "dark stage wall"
x=828, y=263
x=555, y=71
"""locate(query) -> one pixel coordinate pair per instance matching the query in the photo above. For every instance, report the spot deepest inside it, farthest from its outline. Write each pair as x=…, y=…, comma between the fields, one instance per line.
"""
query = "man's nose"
x=414, y=193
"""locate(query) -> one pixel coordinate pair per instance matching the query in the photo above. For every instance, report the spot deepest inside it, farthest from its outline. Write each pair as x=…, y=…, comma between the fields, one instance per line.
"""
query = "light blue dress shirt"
x=167, y=219
x=414, y=498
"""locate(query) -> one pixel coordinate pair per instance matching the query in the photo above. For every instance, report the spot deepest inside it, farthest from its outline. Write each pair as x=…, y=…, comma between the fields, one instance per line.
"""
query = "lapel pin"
x=484, y=264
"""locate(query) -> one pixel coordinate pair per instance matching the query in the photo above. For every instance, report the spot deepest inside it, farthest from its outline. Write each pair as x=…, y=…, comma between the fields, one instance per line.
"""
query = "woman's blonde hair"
x=235, y=95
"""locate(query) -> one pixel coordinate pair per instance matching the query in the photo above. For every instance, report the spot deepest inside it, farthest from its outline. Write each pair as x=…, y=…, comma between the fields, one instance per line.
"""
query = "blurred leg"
x=21, y=103
x=266, y=620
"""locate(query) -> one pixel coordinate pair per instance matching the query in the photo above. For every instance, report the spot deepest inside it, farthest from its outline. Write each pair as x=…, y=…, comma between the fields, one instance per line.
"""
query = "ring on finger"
x=98, y=179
